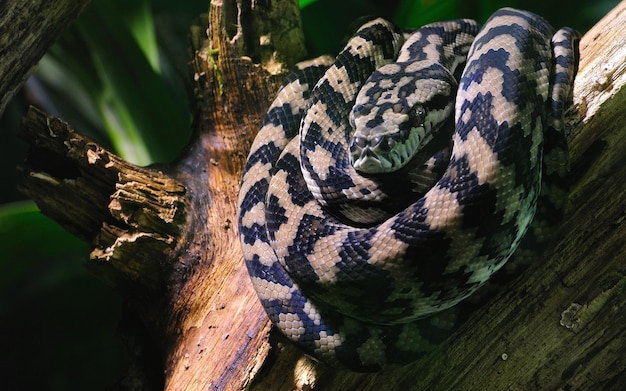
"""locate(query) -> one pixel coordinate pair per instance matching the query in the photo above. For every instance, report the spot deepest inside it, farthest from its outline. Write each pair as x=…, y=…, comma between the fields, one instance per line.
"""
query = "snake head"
x=397, y=112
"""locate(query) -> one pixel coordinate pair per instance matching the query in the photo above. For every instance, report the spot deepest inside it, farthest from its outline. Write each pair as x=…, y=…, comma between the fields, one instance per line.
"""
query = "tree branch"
x=166, y=237
x=22, y=47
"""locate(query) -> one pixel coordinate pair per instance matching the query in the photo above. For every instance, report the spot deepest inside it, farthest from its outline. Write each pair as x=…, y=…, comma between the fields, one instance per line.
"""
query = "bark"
x=166, y=237
x=27, y=29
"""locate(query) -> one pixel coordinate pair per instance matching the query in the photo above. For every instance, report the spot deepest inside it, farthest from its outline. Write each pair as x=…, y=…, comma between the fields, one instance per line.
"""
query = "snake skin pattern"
x=359, y=268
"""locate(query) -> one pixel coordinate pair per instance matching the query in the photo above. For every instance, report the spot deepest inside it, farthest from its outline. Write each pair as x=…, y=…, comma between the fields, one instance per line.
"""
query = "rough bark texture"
x=23, y=43
x=167, y=238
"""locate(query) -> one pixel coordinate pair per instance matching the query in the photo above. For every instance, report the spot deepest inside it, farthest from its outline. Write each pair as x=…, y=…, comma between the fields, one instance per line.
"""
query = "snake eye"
x=417, y=116
x=358, y=143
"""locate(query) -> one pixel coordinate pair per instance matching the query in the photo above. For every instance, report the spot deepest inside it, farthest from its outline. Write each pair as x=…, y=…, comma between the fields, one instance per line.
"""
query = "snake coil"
x=390, y=183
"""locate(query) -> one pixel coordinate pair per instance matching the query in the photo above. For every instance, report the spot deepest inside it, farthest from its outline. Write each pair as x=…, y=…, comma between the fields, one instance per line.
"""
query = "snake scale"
x=388, y=184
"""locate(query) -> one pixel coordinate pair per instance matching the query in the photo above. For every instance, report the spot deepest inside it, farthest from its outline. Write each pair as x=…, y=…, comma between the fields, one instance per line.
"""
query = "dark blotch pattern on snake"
x=390, y=183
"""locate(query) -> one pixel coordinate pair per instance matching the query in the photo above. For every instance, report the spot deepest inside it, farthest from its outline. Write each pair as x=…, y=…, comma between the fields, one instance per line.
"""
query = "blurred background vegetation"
x=120, y=76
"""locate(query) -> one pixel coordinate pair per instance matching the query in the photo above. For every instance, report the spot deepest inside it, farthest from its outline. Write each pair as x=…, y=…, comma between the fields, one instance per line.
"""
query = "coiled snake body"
x=359, y=218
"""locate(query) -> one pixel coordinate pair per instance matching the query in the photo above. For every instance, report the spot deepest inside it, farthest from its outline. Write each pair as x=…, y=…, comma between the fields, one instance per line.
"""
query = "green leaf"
x=414, y=14
x=27, y=237
x=304, y=3
x=50, y=304
x=143, y=119
x=138, y=17
x=108, y=73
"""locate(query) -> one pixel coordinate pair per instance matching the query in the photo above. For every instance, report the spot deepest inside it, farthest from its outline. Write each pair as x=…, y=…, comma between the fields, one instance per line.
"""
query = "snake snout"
x=376, y=152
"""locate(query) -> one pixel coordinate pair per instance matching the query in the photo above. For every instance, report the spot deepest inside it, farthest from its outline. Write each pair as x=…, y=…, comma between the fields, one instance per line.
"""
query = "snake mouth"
x=385, y=153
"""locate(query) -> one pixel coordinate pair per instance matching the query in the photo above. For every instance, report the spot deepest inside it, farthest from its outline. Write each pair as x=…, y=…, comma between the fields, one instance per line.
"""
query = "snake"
x=388, y=184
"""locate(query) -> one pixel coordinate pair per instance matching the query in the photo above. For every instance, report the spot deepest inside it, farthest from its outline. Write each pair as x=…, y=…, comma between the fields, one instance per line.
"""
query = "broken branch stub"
x=129, y=214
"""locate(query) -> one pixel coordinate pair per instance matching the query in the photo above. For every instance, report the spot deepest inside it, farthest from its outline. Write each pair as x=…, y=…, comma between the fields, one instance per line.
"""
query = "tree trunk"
x=166, y=237
x=23, y=42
